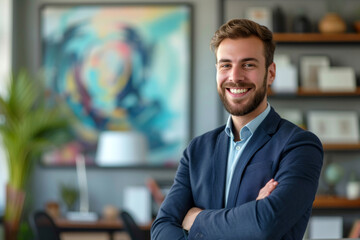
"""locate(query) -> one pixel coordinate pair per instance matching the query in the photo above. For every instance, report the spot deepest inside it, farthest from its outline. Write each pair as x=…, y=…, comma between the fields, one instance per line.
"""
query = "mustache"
x=237, y=85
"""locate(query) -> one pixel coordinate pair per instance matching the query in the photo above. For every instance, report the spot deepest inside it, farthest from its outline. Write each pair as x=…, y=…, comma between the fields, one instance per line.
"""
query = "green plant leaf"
x=31, y=125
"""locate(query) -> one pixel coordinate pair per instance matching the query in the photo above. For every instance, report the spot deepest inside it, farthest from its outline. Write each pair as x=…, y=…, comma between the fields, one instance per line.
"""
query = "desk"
x=100, y=225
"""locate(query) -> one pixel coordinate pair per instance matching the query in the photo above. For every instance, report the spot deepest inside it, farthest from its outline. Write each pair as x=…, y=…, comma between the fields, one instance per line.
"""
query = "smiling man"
x=255, y=177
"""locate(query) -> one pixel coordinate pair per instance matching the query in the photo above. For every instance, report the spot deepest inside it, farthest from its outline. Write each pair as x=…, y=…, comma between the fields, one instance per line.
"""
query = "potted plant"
x=69, y=195
x=30, y=125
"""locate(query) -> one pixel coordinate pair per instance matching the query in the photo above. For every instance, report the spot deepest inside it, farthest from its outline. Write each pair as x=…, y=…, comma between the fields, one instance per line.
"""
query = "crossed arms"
x=193, y=212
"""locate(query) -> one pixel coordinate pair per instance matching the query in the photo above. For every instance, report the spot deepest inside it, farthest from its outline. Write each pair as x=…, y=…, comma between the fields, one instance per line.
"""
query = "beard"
x=239, y=110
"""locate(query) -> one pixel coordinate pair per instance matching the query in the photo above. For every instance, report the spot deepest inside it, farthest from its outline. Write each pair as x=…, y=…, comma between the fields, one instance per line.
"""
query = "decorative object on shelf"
x=332, y=175
x=31, y=127
x=309, y=66
x=279, y=22
x=286, y=80
x=293, y=115
x=356, y=22
x=110, y=213
x=301, y=23
x=353, y=187
x=357, y=26
x=261, y=15
x=329, y=79
x=69, y=195
x=332, y=23
x=112, y=64
x=126, y=148
x=336, y=127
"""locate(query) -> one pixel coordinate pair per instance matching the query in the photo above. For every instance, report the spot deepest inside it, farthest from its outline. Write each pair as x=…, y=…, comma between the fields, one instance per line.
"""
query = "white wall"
x=5, y=60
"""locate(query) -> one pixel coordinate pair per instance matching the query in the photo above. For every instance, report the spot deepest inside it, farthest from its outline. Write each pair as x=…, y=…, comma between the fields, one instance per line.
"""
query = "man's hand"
x=190, y=218
x=267, y=189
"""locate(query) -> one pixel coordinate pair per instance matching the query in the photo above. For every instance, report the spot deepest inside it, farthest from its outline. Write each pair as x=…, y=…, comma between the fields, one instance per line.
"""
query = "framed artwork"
x=309, y=68
x=120, y=67
x=334, y=126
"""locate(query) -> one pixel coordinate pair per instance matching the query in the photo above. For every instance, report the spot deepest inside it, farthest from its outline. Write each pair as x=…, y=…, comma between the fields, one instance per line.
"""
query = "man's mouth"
x=238, y=90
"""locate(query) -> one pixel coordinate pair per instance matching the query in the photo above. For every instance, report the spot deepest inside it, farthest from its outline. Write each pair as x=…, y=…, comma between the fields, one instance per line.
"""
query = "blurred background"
x=138, y=81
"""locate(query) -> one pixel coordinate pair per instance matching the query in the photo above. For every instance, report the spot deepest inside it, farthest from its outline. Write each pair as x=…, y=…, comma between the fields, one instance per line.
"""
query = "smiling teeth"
x=237, y=91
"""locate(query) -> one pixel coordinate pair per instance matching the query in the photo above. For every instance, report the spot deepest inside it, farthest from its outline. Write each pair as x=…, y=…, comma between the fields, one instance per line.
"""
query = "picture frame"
x=334, y=127
x=309, y=66
x=120, y=67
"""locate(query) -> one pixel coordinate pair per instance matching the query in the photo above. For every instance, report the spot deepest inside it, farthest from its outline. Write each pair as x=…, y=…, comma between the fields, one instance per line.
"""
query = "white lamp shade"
x=116, y=148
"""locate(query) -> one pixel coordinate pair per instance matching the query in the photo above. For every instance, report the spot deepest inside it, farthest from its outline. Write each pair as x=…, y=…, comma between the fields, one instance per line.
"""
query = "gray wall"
x=106, y=185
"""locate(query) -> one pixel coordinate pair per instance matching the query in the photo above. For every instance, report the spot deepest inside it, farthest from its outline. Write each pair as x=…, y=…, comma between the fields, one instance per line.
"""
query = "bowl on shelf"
x=332, y=23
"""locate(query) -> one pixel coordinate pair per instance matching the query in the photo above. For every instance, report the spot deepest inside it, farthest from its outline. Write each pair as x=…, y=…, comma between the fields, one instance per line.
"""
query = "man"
x=254, y=178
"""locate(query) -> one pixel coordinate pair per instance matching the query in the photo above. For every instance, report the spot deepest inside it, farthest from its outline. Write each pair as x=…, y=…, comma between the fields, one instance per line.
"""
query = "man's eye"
x=225, y=66
x=248, y=65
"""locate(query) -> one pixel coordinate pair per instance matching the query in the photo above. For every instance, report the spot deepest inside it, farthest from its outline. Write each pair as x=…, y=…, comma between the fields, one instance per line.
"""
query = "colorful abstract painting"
x=121, y=68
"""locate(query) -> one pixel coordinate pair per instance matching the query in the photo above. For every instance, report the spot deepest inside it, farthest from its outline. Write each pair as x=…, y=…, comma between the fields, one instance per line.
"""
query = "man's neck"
x=240, y=121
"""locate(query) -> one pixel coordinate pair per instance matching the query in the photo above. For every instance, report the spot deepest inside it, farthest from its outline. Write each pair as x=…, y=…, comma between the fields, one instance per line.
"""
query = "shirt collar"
x=250, y=127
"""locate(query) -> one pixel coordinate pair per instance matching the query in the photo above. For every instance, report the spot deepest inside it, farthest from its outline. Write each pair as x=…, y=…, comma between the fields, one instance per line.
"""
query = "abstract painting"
x=120, y=67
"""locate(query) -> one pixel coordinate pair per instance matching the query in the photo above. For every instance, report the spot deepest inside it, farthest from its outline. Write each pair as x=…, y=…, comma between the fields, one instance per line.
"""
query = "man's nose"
x=237, y=74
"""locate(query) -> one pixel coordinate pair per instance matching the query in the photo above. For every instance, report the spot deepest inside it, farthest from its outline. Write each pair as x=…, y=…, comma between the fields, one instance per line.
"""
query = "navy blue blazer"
x=278, y=149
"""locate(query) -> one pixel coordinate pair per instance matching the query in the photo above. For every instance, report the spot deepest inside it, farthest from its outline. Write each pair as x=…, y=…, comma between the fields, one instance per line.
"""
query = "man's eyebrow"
x=249, y=59
x=224, y=60
x=242, y=60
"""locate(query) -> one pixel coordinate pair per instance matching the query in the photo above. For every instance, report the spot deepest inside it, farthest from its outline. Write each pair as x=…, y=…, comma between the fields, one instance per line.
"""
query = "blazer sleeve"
x=298, y=173
x=168, y=224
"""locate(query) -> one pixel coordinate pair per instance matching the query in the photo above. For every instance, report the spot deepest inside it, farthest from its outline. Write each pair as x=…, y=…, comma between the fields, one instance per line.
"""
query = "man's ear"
x=271, y=73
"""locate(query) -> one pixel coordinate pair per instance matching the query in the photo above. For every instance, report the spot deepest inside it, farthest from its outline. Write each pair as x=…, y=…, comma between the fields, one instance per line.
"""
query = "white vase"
x=353, y=190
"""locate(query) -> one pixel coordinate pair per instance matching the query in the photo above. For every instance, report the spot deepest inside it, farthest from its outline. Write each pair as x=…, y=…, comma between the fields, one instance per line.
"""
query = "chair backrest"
x=43, y=226
x=131, y=226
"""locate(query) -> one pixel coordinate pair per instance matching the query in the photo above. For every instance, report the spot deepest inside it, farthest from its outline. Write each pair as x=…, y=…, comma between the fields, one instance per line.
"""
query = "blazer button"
x=199, y=235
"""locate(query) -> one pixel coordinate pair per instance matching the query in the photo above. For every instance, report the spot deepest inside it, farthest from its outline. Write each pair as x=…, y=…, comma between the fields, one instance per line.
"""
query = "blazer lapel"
x=219, y=163
x=261, y=136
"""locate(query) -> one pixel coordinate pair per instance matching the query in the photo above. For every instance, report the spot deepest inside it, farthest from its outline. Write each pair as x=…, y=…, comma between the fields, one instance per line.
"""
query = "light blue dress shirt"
x=236, y=148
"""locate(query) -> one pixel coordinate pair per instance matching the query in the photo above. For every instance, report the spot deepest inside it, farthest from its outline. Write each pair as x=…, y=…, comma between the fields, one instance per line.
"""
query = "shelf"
x=315, y=93
x=317, y=37
x=326, y=202
x=341, y=147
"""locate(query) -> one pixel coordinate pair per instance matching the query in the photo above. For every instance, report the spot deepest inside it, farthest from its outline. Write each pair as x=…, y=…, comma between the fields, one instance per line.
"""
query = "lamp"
x=83, y=214
x=119, y=148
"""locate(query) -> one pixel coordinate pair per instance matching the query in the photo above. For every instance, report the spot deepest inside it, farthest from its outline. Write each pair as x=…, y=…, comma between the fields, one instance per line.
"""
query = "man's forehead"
x=249, y=47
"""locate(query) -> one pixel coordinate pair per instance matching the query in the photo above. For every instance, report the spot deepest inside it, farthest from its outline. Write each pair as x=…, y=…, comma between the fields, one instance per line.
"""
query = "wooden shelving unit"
x=317, y=37
x=303, y=92
x=325, y=202
x=341, y=147
x=317, y=92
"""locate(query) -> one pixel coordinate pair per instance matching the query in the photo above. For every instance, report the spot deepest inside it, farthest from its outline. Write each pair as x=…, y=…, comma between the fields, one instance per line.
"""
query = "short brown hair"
x=243, y=28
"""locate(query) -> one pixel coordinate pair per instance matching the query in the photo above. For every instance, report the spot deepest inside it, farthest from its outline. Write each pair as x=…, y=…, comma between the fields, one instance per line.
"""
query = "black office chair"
x=131, y=226
x=43, y=226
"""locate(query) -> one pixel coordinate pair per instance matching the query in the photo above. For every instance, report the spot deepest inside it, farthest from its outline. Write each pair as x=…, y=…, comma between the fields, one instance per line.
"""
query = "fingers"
x=267, y=189
x=190, y=218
